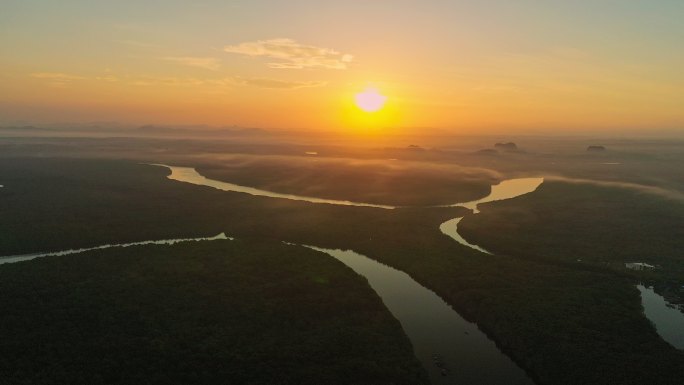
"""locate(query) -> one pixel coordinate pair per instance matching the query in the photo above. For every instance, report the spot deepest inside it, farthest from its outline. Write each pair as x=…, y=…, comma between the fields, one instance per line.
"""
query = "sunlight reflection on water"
x=507, y=189
x=190, y=175
x=28, y=257
x=668, y=321
x=452, y=349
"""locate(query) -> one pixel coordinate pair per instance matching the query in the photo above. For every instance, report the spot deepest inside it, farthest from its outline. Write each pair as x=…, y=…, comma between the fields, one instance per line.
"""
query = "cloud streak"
x=652, y=190
x=275, y=83
x=56, y=76
x=208, y=63
x=168, y=81
x=137, y=44
x=61, y=79
x=292, y=55
x=57, y=79
x=227, y=81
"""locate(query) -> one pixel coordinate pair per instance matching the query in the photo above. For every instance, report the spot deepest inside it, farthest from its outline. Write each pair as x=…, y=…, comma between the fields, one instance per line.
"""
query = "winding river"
x=668, y=320
x=453, y=350
x=507, y=189
x=450, y=348
x=190, y=175
x=28, y=257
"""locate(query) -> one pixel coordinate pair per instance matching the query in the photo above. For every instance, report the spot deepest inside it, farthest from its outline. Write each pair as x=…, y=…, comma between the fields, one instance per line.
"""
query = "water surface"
x=28, y=257
x=453, y=350
x=668, y=321
x=507, y=189
x=450, y=228
x=190, y=175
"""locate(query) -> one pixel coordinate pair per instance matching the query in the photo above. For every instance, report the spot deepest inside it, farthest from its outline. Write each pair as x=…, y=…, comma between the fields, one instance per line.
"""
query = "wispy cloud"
x=107, y=77
x=274, y=83
x=56, y=76
x=60, y=79
x=168, y=81
x=293, y=55
x=57, y=79
x=208, y=63
x=653, y=190
x=226, y=82
x=135, y=43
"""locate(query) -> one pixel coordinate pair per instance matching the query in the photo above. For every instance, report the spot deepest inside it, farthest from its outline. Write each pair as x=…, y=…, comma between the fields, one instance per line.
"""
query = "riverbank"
x=198, y=313
x=550, y=319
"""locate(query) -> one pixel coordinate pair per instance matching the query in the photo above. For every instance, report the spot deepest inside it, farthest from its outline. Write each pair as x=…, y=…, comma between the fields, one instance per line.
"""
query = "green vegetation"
x=380, y=182
x=588, y=224
x=198, y=313
x=566, y=323
x=59, y=204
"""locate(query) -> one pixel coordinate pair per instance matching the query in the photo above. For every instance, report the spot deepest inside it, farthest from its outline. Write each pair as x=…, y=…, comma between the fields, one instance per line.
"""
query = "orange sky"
x=298, y=64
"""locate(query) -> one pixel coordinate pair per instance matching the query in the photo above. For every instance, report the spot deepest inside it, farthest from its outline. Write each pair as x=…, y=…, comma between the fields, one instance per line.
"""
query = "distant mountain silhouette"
x=199, y=130
x=510, y=146
x=596, y=148
x=24, y=128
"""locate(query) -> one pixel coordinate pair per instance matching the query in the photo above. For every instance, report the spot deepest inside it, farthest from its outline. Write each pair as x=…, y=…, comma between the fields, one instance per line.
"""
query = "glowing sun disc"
x=370, y=100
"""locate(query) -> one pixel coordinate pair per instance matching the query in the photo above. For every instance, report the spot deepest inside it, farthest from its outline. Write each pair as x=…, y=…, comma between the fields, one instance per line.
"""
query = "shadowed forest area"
x=552, y=318
x=372, y=181
x=610, y=226
x=199, y=313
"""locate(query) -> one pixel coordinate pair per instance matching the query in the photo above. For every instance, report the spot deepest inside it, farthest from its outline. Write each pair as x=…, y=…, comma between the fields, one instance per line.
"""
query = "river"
x=507, y=189
x=668, y=321
x=190, y=175
x=28, y=257
x=453, y=350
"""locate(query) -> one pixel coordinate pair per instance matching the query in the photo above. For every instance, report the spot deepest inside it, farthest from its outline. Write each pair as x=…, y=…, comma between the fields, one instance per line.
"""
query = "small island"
x=509, y=146
x=596, y=149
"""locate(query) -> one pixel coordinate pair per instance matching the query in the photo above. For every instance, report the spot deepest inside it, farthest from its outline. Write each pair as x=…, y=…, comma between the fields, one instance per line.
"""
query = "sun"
x=370, y=100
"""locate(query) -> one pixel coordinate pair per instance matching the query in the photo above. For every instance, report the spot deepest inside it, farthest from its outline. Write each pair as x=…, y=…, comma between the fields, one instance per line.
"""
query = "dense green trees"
x=588, y=225
x=565, y=322
x=197, y=313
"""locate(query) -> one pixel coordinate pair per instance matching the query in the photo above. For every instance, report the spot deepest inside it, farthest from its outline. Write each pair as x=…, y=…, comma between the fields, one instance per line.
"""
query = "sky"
x=462, y=66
